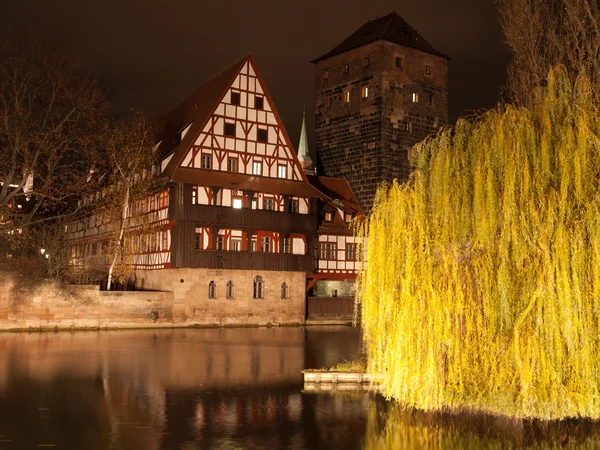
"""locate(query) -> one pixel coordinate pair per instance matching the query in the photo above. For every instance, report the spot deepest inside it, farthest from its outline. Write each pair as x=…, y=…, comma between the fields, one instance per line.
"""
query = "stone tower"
x=379, y=92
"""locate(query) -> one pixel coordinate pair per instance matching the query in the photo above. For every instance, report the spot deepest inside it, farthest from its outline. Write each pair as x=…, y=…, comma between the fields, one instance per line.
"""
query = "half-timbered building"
x=236, y=223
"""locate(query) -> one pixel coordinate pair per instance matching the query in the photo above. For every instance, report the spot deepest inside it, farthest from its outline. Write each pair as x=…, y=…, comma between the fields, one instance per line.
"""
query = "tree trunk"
x=120, y=240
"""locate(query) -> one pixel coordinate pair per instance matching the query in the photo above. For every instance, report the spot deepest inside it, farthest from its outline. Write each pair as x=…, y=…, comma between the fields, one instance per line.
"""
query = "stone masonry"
x=369, y=139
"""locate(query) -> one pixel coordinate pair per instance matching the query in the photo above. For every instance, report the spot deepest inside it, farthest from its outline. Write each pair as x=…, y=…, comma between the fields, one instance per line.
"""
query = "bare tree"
x=50, y=112
x=128, y=176
x=545, y=33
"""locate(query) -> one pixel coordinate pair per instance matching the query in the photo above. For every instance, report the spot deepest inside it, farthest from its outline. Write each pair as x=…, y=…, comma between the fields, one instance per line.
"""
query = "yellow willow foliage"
x=482, y=289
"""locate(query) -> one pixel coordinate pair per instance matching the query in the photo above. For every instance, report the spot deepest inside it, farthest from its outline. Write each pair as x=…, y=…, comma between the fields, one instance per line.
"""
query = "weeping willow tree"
x=482, y=289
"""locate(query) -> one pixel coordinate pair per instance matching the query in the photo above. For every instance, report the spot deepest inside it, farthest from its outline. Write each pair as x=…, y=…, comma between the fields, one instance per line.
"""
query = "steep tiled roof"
x=338, y=190
x=392, y=28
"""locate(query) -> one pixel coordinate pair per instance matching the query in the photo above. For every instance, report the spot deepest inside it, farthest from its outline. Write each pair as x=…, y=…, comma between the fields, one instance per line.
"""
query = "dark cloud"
x=152, y=53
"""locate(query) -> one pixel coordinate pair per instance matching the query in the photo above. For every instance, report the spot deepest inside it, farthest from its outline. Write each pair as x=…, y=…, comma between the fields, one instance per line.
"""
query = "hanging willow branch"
x=482, y=289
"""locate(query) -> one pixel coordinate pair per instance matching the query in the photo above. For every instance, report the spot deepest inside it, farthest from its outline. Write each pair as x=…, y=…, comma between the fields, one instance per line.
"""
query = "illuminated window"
x=257, y=168
x=237, y=203
x=415, y=97
x=261, y=135
x=427, y=70
x=229, y=290
x=346, y=68
x=365, y=91
x=212, y=290
x=284, y=290
x=206, y=161
x=254, y=204
x=259, y=102
x=229, y=129
x=253, y=245
x=328, y=216
x=282, y=171
x=235, y=98
x=194, y=195
x=348, y=217
x=347, y=97
x=259, y=287
x=236, y=245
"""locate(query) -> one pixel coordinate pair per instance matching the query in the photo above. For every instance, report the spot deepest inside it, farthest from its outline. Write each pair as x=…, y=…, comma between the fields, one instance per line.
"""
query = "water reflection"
x=393, y=427
x=180, y=389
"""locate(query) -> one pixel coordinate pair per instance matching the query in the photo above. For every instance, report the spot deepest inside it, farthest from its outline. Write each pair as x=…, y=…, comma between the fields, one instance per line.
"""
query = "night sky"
x=152, y=53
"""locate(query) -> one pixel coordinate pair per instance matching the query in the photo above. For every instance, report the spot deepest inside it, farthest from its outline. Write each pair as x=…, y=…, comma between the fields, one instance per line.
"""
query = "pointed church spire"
x=303, y=155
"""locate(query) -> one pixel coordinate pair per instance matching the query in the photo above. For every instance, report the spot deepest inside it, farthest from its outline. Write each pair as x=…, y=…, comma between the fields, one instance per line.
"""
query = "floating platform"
x=340, y=381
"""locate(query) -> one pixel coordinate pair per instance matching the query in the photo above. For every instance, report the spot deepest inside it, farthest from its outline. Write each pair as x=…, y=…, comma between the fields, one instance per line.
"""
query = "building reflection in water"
x=172, y=389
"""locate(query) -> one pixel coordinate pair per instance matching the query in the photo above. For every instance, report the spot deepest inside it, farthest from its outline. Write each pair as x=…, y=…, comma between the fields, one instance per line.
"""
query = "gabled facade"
x=237, y=219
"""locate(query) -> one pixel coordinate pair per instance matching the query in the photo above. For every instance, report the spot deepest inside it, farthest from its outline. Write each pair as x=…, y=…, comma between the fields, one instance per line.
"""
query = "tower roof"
x=303, y=155
x=392, y=28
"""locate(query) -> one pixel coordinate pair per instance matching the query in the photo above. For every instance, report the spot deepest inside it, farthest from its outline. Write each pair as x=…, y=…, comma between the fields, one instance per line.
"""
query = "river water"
x=218, y=389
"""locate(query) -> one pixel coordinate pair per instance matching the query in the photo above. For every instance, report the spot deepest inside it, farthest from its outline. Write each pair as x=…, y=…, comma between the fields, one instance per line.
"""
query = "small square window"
x=261, y=135
x=346, y=68
x=365, y=91
x=259, y=102
x=347, y=97
x=229, y=129
x=427, y=70
x=328, y=216
x=367, y=61
x=206, y=162
x=232, y=164
x=237, y=203
x=415, y=97
x=235, y=98
x=398, y=62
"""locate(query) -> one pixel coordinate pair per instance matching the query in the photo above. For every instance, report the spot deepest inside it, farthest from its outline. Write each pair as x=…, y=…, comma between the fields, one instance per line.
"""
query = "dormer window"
x=259, y=102
x=348, y=217
x=235, y=98
x=328, y=216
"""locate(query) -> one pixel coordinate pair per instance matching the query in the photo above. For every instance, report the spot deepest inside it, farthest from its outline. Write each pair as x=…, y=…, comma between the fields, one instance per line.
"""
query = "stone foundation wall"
x=173, y=297
x=326, y=288
x=50, y=305
x=192, y=305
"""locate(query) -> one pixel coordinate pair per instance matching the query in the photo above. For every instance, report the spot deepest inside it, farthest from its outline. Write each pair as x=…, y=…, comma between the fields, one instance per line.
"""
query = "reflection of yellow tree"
x=398, y=428
x=483, y=284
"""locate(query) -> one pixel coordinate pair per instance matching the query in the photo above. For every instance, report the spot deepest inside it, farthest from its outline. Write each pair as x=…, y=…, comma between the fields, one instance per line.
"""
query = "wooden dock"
x=327, y=381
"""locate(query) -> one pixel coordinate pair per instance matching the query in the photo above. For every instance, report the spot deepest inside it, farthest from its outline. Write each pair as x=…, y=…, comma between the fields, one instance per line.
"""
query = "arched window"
x=259, y=287
x=212, y=290
x=229, y=291
x=284, y=290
